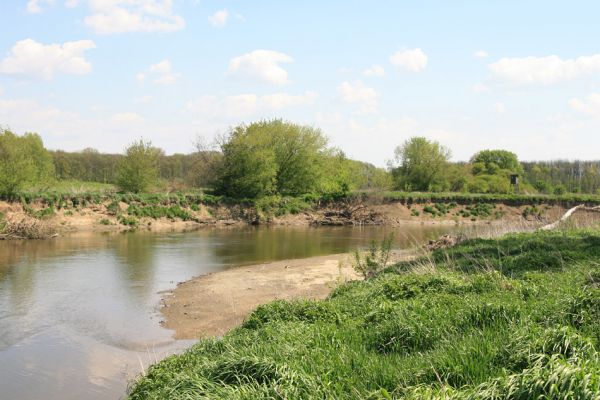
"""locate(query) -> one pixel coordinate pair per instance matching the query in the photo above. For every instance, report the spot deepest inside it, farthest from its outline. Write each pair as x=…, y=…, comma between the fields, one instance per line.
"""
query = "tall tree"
x=272, y=157
x=139, y=168
x=23, y=161
x=420, y=164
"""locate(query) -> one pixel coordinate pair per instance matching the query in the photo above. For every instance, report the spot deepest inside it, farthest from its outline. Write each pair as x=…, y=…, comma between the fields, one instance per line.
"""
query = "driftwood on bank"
x=27, y=228
x=568, y=214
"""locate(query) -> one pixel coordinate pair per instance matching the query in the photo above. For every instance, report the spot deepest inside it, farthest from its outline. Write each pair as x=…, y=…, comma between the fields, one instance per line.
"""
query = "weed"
x=375, y=260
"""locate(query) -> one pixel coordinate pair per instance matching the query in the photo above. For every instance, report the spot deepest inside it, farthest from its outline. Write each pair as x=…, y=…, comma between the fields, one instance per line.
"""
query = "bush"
x=375, y=260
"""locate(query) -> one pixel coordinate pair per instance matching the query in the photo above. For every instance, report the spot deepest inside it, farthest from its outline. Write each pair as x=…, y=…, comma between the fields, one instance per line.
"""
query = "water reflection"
x=79, y=313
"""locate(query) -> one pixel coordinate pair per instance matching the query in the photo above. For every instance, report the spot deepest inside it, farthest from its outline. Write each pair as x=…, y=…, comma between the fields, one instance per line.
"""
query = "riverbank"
x=508, y=317
x=182, y=215
x=213, y=304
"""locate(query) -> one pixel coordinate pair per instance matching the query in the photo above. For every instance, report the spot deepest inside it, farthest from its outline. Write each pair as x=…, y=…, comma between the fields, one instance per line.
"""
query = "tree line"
x=280, y=158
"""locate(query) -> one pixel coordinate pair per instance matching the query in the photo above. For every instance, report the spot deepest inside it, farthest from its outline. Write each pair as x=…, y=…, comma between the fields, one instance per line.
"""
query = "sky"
x=517, y=75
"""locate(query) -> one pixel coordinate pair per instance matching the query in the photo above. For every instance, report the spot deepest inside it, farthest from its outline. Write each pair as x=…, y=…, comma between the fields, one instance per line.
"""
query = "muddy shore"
x=211, y=305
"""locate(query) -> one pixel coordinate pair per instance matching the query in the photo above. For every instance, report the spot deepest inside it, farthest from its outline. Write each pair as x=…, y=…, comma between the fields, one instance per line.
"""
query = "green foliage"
x=421, y=164
x=278, y=206
x=23, y=161
x=375, y=259
x=532, y=211
x=139, y=168
x=272, y=157
x=491, y=162
x=493, y=319
x=155, y=211
x=43, y=213
x=129, y=221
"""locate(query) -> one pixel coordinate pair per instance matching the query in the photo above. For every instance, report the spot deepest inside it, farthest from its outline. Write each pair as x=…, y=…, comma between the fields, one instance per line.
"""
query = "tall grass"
x=506, y=318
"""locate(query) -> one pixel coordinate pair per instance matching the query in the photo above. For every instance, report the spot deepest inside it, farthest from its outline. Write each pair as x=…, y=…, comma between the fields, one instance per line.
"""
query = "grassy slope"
x=516, y=317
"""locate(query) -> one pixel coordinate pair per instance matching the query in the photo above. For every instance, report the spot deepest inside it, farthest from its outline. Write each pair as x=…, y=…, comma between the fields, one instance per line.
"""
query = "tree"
x=421, y=164
x=272, y=157
x=139, y=168
x=493, y=161
x=23, y=161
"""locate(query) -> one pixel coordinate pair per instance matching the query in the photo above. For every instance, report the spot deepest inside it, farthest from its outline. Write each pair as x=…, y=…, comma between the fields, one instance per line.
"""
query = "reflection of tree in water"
x=20, y=263
x=136, y=253
x=276, y=243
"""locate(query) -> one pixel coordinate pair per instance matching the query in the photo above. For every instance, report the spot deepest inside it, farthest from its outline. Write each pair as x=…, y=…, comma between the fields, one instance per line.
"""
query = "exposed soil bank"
x=211, y=305
x=100, y=218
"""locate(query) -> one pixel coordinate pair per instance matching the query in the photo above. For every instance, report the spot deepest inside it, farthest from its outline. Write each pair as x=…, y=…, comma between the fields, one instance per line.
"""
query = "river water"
x=79, y=314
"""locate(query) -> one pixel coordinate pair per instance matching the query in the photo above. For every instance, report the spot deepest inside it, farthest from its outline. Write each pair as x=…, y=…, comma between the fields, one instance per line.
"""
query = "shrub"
x=375, y=260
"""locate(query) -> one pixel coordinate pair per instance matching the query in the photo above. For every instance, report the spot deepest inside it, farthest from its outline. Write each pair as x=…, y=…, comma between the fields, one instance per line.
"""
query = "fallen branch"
x=568, y=215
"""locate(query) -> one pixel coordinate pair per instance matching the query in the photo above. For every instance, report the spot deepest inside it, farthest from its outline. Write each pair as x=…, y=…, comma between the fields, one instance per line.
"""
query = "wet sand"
x=211, y=305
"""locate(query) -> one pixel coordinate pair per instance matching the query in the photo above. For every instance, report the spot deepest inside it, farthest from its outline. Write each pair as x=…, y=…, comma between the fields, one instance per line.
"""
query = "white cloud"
x=480, y=54
x=122, y=16
x=543, y=70
x=590, y=105
x=61, y=129
x=219, y=19
x=35, y=6
x=500, y=108
x=261, y=65
x=161, y=73
x=278, y=101
x=246, y=105
x=25, y=115
x=128, y=118
x=413, y=60
x=28, y=57
x=71, y=3
x=374, y=70
x=358, y=93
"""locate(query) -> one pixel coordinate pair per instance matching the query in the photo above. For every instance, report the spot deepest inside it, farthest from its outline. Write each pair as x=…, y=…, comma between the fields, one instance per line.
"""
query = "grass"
x=509, y=318
x=471, y=198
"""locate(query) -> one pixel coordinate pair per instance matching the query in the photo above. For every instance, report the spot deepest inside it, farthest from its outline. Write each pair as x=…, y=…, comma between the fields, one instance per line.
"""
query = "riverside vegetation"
x=508, y=318
x=269, y=169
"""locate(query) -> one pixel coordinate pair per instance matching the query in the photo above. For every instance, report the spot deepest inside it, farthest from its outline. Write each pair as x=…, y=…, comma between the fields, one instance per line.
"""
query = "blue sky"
x=518, y=75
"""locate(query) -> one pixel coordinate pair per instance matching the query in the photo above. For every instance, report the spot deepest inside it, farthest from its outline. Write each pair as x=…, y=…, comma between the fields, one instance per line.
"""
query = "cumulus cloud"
x=122, y=16
x=413, y=60
x=480, y=54
x=358, y=93
x=30, y=58
x=261, y=65
x=590, y=105
x=160, y=73
x=246, y=105
x=374, y=70
x=543, y=70
x=219, y=19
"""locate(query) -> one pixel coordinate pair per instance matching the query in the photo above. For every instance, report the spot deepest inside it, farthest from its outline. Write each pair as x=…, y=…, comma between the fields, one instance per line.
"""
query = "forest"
x=277, y=157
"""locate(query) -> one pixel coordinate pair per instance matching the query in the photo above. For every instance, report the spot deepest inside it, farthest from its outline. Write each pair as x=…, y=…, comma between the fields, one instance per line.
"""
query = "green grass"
x=471, y=198
x=509, y=318
x=73, y=187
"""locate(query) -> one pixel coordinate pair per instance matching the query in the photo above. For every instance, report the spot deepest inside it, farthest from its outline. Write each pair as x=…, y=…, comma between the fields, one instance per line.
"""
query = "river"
x=79, y=314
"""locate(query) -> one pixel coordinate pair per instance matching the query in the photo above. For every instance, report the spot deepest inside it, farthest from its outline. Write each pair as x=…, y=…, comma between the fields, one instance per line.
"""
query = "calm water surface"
x=79, y=314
